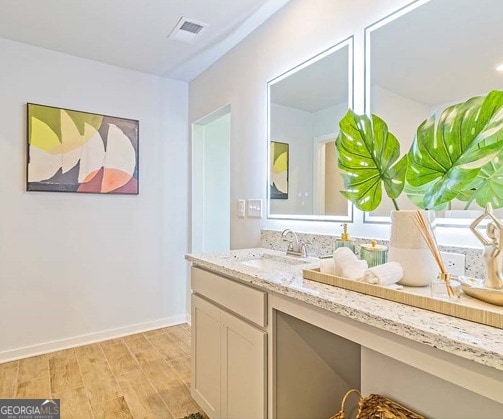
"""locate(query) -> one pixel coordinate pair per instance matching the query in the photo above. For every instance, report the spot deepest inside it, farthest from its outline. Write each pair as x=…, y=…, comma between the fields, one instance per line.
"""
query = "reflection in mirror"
x=424, y=58
x=305, y=106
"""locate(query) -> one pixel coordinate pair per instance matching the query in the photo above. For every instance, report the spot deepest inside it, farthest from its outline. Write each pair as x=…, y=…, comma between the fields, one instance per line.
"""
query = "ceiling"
x=134, y=33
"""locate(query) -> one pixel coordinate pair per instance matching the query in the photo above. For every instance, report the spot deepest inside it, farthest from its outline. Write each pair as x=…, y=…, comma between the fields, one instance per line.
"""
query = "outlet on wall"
x=454, y=263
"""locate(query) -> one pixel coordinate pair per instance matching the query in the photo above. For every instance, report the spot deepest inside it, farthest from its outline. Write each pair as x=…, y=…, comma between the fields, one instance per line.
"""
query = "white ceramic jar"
x=408, y=248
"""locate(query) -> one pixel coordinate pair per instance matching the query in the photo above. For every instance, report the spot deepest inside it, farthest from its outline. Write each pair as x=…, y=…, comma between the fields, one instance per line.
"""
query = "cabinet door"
x=206, y=356
x=243, y=369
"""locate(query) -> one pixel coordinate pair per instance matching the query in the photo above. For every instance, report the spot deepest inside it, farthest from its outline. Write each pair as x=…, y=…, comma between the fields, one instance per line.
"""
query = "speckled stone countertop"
x=469, y=340
x=323, y=244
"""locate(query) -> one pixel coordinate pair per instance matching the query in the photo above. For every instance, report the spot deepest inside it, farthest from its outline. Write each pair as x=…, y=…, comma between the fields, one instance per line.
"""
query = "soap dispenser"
x=344, y=240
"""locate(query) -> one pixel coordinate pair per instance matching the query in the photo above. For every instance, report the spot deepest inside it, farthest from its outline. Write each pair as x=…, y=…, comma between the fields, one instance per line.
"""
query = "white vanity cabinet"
x=229, y=346
x=322, y=341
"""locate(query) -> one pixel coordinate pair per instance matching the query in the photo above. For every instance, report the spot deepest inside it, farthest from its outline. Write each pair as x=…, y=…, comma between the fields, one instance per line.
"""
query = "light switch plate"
x=255, y=208
x=241, y=208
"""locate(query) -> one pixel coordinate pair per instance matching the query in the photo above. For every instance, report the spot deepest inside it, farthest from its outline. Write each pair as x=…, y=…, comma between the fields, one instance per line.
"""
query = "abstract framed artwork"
x=74, y=151
x=278, y=178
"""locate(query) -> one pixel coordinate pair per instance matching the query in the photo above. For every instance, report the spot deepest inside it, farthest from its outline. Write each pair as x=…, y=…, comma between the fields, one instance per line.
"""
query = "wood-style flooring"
x=146, y=375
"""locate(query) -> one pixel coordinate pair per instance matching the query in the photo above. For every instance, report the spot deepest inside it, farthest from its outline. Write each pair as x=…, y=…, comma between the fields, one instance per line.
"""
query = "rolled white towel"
x=386, y=274
x=343, y=256
x=354, y=269
x=327, y=266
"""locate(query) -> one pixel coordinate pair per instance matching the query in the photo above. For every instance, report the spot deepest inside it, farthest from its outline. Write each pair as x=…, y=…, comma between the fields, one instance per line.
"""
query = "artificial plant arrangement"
x=456, y=156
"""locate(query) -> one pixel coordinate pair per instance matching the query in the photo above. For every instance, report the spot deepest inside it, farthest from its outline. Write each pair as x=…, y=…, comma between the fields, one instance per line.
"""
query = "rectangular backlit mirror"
x=423, y=58
x=305, y=105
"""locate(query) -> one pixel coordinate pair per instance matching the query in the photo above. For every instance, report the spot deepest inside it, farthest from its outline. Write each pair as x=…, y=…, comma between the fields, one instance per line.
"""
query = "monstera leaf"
x=367, y=156
x=448, y=155
x=416, y=195
x=488, y=187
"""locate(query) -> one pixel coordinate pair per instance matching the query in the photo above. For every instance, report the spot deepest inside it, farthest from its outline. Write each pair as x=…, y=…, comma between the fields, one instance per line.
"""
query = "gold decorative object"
x=493, y=247
x=474, y=287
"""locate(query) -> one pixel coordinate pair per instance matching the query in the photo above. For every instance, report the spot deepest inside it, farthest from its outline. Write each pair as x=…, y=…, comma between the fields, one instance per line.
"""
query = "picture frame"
x=278, y=174
x=82, y=152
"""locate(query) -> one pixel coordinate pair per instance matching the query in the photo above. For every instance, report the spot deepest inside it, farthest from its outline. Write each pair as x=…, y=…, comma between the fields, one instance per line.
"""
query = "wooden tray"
x=467, y=308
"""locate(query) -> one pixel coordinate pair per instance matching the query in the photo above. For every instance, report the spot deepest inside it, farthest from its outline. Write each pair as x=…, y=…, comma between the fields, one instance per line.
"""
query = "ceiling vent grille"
x=186, y=30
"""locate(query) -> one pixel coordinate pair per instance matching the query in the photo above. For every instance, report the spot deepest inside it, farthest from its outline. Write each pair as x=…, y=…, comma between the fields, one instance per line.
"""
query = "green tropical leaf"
x=367, y=156
x=449, y=155
x=416, y=195
x=488, y=186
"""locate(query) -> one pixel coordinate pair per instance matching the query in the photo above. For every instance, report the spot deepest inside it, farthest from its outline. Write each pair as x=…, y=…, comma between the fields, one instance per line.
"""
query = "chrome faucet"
x=295, y=247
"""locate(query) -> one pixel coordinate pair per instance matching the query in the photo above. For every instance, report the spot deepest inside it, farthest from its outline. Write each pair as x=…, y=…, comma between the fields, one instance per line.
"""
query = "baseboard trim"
x=57, y=345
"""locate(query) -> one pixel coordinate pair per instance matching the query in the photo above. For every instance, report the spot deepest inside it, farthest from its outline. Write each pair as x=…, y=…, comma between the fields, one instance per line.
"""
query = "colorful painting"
x=73, y=151
x=279, y=171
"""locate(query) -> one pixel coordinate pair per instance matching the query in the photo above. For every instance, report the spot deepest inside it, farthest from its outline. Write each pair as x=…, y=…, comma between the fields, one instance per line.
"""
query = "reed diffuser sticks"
x=424, y=227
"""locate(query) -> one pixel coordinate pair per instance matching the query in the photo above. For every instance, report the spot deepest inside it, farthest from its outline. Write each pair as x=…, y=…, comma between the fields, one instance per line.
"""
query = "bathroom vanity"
x=269, y=343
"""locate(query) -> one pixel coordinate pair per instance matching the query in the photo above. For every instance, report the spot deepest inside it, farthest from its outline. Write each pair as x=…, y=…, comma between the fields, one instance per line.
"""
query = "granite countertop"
x=473, y=341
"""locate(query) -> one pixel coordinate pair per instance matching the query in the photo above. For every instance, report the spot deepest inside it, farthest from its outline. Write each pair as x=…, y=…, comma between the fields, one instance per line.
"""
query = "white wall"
x=403, y=116
x=297, y=32
x=327, y=120
x=76, y=264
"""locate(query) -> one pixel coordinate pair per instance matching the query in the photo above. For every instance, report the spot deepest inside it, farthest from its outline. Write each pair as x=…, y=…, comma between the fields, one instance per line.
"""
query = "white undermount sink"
x=273, y=262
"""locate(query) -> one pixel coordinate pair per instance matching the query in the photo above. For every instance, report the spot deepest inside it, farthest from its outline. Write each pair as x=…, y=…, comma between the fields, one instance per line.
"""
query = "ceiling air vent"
x=187, y=30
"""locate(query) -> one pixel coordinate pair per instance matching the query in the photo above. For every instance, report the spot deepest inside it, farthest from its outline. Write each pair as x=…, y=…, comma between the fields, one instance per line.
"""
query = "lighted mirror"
x=423, y=58
x=305, y=105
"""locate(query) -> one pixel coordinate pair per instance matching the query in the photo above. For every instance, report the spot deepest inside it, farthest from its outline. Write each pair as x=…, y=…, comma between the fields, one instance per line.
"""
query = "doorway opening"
x=326, y=178
x=211, y=182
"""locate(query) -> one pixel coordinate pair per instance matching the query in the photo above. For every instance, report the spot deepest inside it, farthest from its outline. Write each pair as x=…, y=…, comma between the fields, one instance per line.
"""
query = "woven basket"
x=376, y=406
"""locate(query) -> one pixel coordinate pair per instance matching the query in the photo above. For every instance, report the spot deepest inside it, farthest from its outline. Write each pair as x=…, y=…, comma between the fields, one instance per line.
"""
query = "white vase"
x=408, y=248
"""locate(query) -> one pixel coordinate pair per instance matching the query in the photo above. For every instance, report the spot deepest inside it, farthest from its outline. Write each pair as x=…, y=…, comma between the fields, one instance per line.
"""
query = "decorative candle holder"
x=445, y=288
x=374, y=254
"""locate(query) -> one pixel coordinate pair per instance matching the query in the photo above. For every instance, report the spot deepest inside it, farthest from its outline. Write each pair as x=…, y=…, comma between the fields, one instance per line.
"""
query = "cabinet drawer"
x=246, y=301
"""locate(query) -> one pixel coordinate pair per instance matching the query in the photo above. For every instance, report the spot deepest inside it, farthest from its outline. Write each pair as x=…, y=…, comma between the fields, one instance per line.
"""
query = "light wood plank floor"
x=146, y=375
